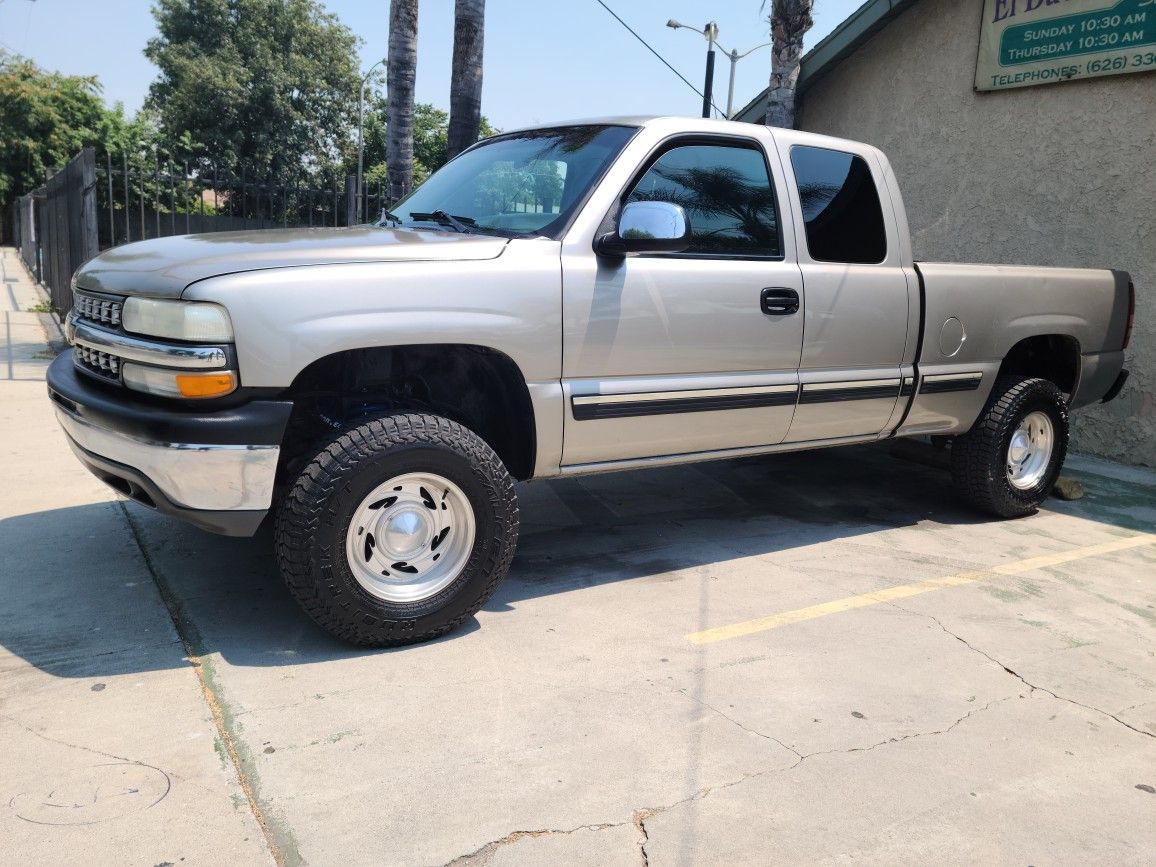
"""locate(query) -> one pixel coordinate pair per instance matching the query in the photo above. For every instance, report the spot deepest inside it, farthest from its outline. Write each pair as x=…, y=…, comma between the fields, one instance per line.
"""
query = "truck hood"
x=165, y=267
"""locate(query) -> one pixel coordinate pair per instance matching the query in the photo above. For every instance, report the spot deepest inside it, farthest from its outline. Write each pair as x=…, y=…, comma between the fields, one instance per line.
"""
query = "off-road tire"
x=315, y=515
x=979, y=457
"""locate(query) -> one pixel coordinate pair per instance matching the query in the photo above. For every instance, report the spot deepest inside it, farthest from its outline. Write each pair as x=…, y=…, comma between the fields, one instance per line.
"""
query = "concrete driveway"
x=802, y=659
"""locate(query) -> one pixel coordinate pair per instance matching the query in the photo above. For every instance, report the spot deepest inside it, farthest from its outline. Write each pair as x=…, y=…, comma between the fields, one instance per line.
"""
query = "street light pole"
x=735, y=57
x=710, y=32
x=360, y=141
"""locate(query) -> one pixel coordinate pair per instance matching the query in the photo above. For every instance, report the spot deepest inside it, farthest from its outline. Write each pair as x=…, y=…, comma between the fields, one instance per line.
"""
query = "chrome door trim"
x=581, y=399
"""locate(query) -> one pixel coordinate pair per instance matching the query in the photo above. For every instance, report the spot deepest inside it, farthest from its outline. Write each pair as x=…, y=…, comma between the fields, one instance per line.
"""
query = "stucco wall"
x=1061, y=174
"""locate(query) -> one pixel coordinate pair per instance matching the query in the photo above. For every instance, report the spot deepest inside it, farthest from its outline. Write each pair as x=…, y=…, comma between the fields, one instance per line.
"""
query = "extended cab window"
x=725, y=191
x=841, y=207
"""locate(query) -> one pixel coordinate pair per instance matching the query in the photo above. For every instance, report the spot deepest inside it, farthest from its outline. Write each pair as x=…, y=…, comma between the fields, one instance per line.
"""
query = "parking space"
x=808, y=658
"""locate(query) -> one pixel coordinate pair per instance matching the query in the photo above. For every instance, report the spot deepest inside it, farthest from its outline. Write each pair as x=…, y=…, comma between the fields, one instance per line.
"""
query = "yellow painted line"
x=774, y=621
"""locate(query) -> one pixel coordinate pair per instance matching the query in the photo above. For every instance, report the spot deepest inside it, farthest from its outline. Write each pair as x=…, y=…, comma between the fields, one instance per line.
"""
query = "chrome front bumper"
x=212, y=467
x=192, y=476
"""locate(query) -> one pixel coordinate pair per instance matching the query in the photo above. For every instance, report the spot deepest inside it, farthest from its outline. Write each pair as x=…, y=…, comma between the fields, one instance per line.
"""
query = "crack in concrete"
x=483, y=854
x=913, y=735
x=64, y=743
x=801, y=757
x=731, y=719
x=1031, y=686
x=641, y=816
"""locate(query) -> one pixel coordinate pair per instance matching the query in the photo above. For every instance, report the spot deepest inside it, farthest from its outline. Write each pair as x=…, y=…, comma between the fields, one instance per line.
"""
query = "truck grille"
x=102, y=309
x=93, y=360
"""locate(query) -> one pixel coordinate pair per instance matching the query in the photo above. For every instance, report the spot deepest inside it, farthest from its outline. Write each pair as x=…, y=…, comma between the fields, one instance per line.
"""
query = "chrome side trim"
x=148, y=351
x=638, y=397
x=208, y=477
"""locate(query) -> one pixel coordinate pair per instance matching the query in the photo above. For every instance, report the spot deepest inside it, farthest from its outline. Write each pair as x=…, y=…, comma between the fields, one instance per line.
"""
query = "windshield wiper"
x=465, y=225
x=389, y=216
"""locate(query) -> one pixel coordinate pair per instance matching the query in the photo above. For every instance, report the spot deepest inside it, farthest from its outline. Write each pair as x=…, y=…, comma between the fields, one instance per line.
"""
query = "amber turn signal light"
x=205, y=384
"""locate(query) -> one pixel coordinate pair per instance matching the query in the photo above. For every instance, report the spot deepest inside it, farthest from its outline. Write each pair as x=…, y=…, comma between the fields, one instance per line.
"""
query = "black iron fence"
x=56, y=226
x=96, y=202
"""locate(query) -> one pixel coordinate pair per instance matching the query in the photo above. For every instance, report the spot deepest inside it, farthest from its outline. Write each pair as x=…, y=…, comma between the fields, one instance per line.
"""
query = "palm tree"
x=789, y=20
x=401, y=72
x=466, y=79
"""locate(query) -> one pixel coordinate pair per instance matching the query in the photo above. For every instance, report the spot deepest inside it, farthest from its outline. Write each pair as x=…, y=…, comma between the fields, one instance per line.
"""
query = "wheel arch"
x=1054, y=357
x=472, y=384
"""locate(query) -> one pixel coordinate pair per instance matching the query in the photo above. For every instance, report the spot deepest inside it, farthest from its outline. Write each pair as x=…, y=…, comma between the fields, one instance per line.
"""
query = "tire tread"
x=302, y=513
x=977, y=457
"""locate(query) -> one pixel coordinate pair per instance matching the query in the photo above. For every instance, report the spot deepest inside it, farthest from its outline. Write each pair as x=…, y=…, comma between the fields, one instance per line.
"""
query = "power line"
x=655, y=53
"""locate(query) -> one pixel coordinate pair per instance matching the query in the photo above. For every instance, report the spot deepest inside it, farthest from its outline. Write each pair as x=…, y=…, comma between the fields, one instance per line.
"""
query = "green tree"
x=430, y=137
x=45, y=118
x=267, y=87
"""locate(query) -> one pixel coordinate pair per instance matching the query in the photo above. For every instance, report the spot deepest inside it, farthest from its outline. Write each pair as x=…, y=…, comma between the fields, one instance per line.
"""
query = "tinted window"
x=840, y=206
x=725, y=191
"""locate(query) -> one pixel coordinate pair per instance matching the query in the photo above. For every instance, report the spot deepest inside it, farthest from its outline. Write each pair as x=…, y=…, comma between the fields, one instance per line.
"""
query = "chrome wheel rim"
x=1030, y=450
x=410, y=538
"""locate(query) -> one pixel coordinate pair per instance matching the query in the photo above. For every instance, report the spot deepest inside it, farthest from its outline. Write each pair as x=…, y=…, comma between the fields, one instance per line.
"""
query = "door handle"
x=779, y=302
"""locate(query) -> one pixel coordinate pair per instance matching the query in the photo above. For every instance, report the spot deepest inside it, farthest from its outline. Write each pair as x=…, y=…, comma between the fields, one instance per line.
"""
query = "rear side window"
x=727, y=194
x=841, y=207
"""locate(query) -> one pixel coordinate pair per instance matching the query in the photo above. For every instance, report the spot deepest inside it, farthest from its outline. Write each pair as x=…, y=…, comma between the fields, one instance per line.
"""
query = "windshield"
x=526, y=183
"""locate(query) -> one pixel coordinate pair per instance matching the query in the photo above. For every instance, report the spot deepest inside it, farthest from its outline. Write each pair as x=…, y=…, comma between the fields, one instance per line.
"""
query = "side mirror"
x=646, y=227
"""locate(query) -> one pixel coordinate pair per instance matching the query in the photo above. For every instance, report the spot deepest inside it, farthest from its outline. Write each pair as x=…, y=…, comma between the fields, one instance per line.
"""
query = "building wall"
x=1060, y=174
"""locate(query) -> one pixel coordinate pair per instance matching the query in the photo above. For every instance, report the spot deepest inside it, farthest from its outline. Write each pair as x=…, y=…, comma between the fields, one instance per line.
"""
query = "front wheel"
x=1008, y=462
x=398, y=530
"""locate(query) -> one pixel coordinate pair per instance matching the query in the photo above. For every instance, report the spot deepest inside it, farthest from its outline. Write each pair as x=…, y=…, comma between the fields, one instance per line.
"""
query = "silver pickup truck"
x=603, y=295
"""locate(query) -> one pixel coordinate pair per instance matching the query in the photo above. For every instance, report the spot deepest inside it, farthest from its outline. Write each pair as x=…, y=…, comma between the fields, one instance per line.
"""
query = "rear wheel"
x=398, y=530
x=1008, y=462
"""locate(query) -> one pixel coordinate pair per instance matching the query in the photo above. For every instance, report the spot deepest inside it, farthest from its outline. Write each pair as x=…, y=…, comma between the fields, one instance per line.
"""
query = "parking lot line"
x=902, y=591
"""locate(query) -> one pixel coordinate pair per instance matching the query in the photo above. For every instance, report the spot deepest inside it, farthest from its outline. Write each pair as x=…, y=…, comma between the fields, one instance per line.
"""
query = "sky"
x=545, y=61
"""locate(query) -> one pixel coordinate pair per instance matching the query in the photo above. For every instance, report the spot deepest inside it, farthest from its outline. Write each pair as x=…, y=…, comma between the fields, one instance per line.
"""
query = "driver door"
x=678, y=353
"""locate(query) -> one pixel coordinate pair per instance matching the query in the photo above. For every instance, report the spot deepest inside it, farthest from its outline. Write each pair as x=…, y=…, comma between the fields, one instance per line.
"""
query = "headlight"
x=180, y=320
x=167, y=382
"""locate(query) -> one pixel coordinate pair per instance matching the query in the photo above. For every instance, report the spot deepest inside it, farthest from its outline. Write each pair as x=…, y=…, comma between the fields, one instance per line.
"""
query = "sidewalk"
x=26, y=334
x=121, y=768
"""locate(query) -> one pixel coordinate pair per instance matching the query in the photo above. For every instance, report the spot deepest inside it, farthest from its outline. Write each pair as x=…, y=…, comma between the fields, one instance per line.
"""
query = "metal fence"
x=56, y=226
x=96, y=202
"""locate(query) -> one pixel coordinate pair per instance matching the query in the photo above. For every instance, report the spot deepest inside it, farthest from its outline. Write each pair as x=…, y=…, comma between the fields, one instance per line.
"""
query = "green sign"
x=1027, y=42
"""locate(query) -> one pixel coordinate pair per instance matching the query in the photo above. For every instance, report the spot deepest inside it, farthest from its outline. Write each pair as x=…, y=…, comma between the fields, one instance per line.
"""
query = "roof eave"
x=848, y=37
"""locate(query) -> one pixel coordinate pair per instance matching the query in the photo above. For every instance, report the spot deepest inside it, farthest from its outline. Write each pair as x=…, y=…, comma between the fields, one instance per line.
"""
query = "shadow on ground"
x=576, y=533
